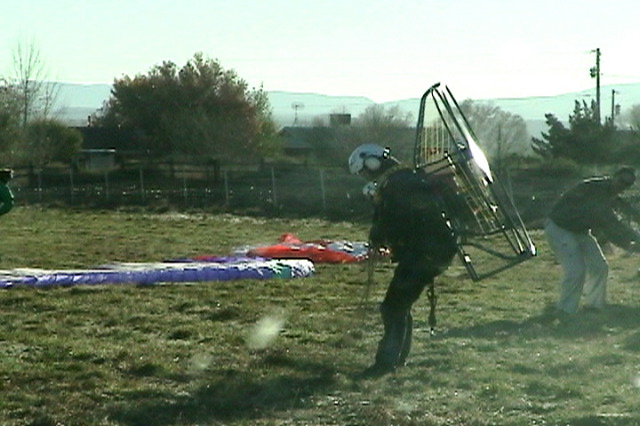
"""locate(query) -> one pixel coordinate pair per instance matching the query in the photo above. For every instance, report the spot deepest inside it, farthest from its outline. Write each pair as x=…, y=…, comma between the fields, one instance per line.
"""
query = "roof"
x=298, y=138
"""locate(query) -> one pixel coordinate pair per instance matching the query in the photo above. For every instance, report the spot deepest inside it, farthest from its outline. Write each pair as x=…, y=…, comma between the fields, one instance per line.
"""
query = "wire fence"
x=282, y=190
x=270, y=190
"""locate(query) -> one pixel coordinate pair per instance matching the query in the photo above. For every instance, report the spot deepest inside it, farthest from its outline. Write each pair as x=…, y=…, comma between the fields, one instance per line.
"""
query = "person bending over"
x=590, y=206
x=6, y=196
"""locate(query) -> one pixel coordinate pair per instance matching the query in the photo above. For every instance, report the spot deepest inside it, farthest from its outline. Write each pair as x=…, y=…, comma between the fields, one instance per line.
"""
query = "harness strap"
x=381, y=181
x=433, y=300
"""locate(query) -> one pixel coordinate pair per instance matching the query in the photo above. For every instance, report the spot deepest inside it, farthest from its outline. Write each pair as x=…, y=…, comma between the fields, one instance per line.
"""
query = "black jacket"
x=593, y=205
x=408, y=217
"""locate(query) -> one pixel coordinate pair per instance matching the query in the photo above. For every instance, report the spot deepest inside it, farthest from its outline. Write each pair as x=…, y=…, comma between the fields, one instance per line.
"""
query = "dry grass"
x=178, y=354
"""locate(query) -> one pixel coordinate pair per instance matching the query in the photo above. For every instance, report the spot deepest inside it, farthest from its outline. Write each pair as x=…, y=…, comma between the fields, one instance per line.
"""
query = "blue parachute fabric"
x=222, y=269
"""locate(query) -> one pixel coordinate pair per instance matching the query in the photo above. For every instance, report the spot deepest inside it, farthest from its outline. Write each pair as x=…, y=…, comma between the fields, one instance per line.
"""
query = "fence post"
x=106, y=185
x=273, y=187
x=40, y=185
x=226, y=188
x=141, y=184
x=322, y=191
x=184, y=188
x=71, y=182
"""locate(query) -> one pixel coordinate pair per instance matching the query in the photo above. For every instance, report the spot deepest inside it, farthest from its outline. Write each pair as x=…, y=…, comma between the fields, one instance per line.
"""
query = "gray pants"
x=585, y=268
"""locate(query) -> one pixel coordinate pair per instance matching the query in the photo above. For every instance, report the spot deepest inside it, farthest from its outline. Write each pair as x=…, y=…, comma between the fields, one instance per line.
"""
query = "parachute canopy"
x=319, y=251
x=215, y=269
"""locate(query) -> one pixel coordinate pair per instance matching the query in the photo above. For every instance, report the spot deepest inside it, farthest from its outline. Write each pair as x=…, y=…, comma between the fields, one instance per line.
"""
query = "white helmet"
x=368, y=156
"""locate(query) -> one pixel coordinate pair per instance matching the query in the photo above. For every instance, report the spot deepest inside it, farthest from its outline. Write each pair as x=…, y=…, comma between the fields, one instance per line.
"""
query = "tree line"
x=202, y=110
x=587, y=141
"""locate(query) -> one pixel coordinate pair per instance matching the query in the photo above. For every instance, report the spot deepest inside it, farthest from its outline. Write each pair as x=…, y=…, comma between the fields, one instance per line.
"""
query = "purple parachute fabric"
x=215, y=269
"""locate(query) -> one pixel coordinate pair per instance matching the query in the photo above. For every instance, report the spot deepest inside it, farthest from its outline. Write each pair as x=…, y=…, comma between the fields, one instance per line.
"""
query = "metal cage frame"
x=447, y=146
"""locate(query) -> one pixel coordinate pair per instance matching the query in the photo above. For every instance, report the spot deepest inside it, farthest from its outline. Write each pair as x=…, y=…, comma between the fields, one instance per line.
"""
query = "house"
x=96, y=159
x=104, y=147
x=297, y=141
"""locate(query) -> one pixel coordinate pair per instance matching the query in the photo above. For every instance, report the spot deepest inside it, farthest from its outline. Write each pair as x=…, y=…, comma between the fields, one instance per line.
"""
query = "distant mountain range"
x=75, y=102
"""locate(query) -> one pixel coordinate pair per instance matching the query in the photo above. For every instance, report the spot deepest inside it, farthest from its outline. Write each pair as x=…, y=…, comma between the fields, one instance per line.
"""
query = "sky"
x=379, y=49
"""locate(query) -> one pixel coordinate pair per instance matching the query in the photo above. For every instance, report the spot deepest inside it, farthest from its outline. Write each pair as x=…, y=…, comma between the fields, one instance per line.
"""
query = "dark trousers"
x=409, y=280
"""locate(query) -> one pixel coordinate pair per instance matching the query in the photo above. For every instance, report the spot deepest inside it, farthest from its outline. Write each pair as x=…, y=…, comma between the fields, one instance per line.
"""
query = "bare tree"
x=501, y=134
x=10, y=130
x=630, y=118
x=41, y=138
x=35, y=93
x=377, y=117
x=391, y=127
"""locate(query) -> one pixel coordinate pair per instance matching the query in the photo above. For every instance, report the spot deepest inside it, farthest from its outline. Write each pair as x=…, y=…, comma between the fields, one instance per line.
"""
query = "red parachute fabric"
x=320, y=251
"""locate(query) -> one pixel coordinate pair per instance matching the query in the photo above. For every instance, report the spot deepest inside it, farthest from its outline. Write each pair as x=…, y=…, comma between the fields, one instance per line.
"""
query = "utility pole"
x=296, y=106
x=595, y=73
x=613, y=106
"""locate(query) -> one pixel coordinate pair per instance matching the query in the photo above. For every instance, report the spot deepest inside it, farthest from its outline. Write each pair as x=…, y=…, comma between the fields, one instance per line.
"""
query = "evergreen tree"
x=586, y=141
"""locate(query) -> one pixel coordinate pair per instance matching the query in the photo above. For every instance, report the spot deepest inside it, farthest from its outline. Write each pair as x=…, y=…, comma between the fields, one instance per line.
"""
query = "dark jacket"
x=593, y=205
x=6, y=199
x=408, y=217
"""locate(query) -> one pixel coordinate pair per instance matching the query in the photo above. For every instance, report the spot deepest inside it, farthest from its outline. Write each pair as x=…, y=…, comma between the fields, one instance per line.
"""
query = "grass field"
x=178, y=354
